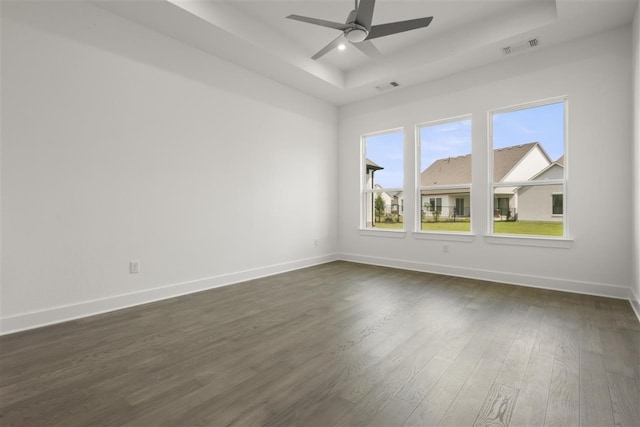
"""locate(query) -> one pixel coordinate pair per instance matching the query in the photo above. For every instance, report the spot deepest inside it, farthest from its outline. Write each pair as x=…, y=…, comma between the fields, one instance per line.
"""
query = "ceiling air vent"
x=387, y=86
x=519, y=47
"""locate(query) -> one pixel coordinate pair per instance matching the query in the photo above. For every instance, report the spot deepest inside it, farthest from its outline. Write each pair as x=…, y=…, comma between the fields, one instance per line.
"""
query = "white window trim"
x=364, y=191
x=529, y=240
x=563, y=241
x=383, y=232
x=452, y=236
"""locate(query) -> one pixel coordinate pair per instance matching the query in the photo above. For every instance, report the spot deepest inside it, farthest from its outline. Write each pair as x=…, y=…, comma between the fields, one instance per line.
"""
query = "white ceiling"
x=464, y=34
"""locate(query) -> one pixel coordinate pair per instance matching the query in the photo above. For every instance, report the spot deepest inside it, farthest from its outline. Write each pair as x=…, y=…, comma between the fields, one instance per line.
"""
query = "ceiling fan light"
x=356, y=35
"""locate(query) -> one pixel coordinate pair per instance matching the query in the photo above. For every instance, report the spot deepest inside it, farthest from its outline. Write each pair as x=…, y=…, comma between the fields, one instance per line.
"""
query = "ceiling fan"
x=358, y=29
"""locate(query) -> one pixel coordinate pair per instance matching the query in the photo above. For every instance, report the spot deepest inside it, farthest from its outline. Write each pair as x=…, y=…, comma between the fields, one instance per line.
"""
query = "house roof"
x=452, y=170
x=557, y=164
x=372, y=166
x=457, y=170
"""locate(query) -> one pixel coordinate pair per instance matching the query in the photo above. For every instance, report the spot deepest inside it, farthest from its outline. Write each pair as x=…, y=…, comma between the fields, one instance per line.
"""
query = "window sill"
x=447, y=237
x=535, y=241
x=399, y=234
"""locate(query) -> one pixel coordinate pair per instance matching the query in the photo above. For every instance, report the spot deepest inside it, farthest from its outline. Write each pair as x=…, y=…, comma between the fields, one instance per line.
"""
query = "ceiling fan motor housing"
x=356, y=34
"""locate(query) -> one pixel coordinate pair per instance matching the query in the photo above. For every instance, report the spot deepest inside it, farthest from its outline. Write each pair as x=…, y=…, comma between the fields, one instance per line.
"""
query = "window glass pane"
x=384, y=170
x=445, y=160
x=534, y=214
x=445, y=210
x=445, y=153
x=385, y=151
x=528, y=146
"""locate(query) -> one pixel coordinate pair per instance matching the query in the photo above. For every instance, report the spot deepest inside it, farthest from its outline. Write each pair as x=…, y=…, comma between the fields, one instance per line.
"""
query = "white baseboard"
x=54, y=315
x=89, y=308
x=635, y=303
x=579, y=287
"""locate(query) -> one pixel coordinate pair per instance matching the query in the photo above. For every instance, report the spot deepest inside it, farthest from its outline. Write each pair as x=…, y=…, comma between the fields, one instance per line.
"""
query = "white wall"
x=595, y=73
x=636, y=167
x=119, y=143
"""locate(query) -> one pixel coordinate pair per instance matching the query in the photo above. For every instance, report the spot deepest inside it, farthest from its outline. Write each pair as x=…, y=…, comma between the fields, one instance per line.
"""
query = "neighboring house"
x=544, y=202
x=393, y=202
x=510, y=164
x=372, y=167
x=448, y=171
x=397, y=203
x=389, y=200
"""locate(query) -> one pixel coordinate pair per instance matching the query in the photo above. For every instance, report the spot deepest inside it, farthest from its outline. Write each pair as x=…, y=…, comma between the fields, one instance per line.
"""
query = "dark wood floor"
x=337, y=344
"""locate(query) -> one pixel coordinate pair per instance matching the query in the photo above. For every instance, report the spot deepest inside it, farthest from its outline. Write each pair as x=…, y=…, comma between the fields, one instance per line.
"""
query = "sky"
x=544, y=124
x=444, y=140
x=386, y=150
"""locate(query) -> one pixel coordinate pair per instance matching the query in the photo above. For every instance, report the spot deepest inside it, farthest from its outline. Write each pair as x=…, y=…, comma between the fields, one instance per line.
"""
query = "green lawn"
x=389, y=225
x=535, y=228
x=539, y=228
x=459, y=226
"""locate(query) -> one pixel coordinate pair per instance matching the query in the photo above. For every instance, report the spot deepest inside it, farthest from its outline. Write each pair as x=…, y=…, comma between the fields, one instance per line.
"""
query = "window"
x=556, y=204
x=444, y=180
x=528, y=166
x=459, y=206
x=435, y=204
x=382, y=183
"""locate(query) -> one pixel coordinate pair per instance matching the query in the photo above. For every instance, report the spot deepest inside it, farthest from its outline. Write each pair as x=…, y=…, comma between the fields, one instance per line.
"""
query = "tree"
x=379, y=204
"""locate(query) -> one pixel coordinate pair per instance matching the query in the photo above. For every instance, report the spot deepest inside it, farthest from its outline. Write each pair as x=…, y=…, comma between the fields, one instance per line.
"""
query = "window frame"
x=536, y=240
x=419, y=188
x=364, y=192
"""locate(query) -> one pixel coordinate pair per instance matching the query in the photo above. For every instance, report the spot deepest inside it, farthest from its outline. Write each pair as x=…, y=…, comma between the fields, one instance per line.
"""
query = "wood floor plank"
x=335, y=344
x=393, y=413
x=365, y=410
x=498, y=406
x=517, y=359
x=618, y=356
x=421, y=384
x=498, y=359
x=400, y=365
x=531, y=405
x=326, y=414
x=625, y=400
x=563, y=407
x=595, y=399
x=439, y=398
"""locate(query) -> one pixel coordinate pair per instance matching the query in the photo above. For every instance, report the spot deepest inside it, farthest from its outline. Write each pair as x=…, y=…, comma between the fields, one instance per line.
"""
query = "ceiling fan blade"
x=329, y=47
x=397, y=27
x=320, y=22
x=368, y=48
x=364, y=16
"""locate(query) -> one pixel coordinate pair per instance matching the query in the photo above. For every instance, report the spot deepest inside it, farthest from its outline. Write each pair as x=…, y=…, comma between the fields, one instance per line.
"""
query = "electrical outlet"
x=134, y=267
x=445, y=248
x=315, y=242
